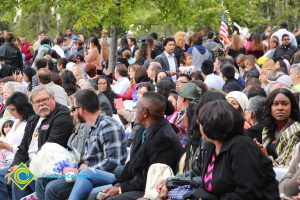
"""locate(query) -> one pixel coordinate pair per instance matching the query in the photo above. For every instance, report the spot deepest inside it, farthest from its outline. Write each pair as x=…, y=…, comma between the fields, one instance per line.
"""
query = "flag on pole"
x=224, y=30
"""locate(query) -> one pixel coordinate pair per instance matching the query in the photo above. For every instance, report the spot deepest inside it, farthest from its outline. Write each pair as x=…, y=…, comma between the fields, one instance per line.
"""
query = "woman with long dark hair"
x=27, y=77
x=104, y=87
x=94, y=56
x=257, y=47
x=69, y=82
x=282, y=127
x=21, y=109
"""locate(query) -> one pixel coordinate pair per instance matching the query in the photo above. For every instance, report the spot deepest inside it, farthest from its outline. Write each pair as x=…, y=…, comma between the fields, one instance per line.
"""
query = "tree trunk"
x=113, y=49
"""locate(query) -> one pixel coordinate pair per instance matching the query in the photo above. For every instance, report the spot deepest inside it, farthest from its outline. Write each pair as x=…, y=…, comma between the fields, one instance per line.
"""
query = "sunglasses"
x=73, y=108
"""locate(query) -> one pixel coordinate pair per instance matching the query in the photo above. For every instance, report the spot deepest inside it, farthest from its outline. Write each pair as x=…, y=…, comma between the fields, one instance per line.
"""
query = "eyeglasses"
x=41, y=101
x=11, y=110
x=73, y=108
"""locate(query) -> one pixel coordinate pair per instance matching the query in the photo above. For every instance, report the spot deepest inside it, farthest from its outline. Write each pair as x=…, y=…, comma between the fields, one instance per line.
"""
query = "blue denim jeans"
x=4, y=192
x=58, y=189
x=89, y=179
x=17, y=193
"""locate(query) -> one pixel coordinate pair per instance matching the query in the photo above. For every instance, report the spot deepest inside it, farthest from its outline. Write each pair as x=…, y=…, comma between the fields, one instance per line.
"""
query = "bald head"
x=44, y=76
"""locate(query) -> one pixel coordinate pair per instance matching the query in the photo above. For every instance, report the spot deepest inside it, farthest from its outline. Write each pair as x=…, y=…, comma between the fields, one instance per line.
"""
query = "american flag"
x=224, y=30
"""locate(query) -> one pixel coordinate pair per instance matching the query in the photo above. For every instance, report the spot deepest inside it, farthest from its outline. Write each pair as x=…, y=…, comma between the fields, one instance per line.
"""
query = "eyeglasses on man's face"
x=41, y=101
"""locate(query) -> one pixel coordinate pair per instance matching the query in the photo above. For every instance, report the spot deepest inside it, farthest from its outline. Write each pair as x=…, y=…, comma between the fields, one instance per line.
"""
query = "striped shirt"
x=105, y=147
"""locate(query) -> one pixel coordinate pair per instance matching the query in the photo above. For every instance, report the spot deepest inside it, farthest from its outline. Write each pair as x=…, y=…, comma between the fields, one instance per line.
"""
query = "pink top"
x=94, y=58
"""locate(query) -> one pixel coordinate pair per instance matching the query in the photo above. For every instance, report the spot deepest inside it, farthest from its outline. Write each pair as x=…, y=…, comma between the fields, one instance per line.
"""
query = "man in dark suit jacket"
x=132, y=46
x=157, y=143
x=167, y=59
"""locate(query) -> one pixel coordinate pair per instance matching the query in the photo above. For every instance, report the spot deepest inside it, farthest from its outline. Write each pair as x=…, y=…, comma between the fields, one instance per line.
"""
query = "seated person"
x=157, y=143
x=105, y=147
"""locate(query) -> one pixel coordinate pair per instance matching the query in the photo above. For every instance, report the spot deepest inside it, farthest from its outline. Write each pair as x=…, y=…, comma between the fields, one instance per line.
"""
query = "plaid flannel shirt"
x=105, y=147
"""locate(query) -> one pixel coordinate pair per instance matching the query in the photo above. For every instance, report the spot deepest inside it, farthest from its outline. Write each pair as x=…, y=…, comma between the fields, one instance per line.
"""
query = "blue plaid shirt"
x=105, y=147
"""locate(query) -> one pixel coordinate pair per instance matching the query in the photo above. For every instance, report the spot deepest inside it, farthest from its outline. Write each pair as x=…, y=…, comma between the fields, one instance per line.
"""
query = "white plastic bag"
x=43, y=163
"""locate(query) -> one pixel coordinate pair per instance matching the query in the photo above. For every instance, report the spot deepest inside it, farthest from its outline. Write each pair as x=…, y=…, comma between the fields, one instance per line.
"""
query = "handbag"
x=174, y=182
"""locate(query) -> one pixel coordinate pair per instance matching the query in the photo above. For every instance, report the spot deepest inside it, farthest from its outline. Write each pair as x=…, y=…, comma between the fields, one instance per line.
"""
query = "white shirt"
x=282, y=31
x=33, y=147
x=14, y=138
x=214, y=81
x=172, y=63
x=59, y=50
x=121, y=86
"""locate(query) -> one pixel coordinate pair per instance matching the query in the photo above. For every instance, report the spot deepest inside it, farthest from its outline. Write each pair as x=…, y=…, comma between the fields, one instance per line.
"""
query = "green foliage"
x=142, y=16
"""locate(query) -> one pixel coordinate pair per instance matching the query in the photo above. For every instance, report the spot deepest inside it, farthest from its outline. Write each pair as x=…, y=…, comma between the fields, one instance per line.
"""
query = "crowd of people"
x=181, y=117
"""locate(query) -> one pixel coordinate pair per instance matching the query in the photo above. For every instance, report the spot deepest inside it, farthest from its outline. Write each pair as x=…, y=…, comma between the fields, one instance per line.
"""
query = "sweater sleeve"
x=91, y=56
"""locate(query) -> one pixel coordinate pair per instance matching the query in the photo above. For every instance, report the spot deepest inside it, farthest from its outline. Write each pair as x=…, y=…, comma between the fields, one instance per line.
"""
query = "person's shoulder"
x=106, y=121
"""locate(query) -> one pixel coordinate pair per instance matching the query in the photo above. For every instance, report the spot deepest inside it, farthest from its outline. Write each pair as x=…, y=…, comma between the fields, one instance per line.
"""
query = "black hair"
x=284, y=25
x=161, y=70
x=220, y=121
x=169, y=39
x=59, y=41
x=41, y=63
x=256, y=91
x=69, y=82
x=269, y=121
x=22, y=104
x=210, y=35
x=209, y=96
x=228, y=71
x=284, y=35
x=154, y=35
x=46, y=41
x=207, y=67
x=149, y=86
x=95, y=41
x=132, y=40
x=88, y=100
x=158, y=100
x=29, y=72
x=164, y=87
x=63, y=62
x=188, y=77
x=9, y=123
x=108, y=86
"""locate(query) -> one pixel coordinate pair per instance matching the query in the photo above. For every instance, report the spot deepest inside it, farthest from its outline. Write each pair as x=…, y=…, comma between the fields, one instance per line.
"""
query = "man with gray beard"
x=52, y=123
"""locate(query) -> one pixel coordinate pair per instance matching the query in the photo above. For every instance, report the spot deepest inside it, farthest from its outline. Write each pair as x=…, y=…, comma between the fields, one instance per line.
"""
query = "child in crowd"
x=187, y=67
x=4, y=130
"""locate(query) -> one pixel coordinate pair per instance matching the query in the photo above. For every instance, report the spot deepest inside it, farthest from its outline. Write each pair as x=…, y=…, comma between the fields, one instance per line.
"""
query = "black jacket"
x=231, y=85
x=282, y=51
x=105, y=104
x=57, y=128
x=241, y=171
x=11, y=55
x=256, y=132
x=160, y=146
